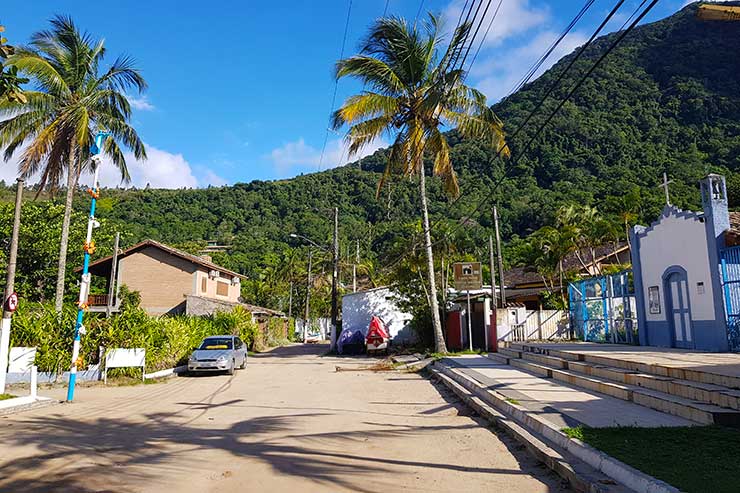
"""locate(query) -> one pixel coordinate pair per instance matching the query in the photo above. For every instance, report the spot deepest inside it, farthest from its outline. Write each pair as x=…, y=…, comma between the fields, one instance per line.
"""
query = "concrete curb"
x=615, y=469
x=166, y=373
x=580, y=476
x=25, y=403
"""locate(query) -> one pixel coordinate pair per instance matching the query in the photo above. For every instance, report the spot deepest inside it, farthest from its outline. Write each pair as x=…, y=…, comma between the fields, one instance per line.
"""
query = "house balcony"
x=99, y=303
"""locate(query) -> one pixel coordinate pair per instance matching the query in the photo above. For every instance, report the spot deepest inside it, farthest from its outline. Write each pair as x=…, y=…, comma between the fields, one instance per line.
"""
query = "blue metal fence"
x=603, y=309
x=730, y=264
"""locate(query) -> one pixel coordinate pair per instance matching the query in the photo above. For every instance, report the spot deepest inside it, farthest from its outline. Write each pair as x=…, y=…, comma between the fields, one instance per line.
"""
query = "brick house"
x=170, y=281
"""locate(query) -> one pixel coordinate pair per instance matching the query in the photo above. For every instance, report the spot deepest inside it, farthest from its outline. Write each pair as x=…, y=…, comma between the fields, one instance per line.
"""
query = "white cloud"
x=140, y=103
x=514, y=17
x=298, y=156
x=497, y=75
x=208, y=177
x=161, y=169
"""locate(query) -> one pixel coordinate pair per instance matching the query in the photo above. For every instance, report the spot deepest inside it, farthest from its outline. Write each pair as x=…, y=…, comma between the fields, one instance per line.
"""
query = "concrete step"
x=499, y=358
x=672, y=372
x=553, y=361
x=700, y=412
x=510, y=353
x=688, y=389
x=530, y=366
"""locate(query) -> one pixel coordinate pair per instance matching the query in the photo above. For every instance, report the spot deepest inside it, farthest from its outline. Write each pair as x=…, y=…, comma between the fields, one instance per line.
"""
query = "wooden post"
x=113, y=281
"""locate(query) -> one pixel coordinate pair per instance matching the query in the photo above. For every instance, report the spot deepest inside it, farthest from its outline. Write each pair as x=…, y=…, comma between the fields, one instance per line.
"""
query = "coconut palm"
x=412, y=94
x=74, y=98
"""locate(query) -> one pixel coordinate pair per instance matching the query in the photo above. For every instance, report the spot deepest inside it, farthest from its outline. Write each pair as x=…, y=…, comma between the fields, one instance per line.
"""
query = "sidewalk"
x=560, y=404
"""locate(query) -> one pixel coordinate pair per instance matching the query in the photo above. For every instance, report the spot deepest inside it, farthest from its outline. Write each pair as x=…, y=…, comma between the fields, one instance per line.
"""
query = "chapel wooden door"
x=678, y=310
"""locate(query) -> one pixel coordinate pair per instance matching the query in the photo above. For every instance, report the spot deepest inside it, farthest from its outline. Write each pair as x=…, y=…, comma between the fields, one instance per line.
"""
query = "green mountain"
x=667, y=99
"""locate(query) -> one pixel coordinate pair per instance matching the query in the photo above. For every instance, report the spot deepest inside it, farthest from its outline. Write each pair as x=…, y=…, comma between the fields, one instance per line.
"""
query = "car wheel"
x=231, y=368
x=244, y=363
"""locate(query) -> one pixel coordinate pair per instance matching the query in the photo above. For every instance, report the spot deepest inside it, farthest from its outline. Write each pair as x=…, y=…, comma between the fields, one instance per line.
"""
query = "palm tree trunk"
x=627, y=232
x=71, y=182
x=439, y=340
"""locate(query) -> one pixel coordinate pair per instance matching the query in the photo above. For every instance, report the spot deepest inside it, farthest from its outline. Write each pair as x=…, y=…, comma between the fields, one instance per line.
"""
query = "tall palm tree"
x=74, y=98
x=412, y=94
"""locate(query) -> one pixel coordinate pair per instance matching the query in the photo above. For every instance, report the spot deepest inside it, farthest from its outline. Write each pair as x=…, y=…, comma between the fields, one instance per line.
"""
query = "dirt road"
x=287, y=423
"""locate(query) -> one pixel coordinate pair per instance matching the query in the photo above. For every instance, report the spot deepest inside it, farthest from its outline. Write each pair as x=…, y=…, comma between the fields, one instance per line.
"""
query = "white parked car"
x=219, y=353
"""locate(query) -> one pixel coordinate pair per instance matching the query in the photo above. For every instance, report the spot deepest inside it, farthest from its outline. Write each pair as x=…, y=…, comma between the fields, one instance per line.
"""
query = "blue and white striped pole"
x=85, y=283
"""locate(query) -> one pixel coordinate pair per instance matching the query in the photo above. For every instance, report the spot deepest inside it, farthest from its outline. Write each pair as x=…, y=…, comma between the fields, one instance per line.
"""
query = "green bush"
x=168, y=340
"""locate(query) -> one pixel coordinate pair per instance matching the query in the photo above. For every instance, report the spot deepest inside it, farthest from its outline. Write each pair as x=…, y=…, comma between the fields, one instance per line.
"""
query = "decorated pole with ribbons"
x=89, y=248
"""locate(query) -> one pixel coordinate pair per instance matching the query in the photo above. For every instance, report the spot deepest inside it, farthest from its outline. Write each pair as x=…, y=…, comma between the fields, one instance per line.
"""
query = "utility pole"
x=9, y=287
x=290, y=300
x=113, y=279
x=493, y=296
x=334, y=282
x=354, y=267
x=500, y=258
x=308, y=298
x=89, y=248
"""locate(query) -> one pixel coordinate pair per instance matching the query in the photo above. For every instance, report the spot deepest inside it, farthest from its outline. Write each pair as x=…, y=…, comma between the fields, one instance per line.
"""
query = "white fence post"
x=34, y=381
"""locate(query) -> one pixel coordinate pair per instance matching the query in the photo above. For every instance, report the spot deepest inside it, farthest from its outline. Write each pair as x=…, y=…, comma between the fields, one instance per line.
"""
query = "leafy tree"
x=414, y=94
x=10, y=82
x=58, y=122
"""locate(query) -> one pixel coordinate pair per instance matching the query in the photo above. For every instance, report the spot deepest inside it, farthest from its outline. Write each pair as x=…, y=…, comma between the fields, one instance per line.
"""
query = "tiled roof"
x=527, y=275
x=172, y=251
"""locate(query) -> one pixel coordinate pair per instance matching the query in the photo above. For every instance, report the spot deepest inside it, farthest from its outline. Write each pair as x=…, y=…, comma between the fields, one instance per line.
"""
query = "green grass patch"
x=5, y=397
x=439, y=356
x=694, y=459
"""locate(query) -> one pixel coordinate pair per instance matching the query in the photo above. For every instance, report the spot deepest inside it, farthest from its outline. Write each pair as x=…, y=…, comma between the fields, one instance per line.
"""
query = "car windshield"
x=217, y=343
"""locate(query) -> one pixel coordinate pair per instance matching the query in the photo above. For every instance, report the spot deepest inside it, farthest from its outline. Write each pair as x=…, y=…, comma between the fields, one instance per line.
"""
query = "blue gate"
x=730, y=263
x=603, y=309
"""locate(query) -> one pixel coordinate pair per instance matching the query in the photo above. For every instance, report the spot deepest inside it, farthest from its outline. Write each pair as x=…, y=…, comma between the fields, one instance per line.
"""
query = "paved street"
x=290, y=422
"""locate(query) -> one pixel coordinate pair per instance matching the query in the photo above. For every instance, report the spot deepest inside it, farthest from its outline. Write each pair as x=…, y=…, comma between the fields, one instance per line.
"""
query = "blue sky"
x=243, y=91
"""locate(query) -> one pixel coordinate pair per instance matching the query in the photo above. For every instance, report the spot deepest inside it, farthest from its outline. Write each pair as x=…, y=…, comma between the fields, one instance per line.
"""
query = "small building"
x=525, y=286
x=678, y=265
x=171, y=281
x=360, y=307
x=481, y=332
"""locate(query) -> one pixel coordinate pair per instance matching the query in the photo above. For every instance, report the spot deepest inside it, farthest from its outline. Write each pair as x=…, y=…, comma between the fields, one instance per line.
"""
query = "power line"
x=385, y=10
x=579, y=15
x=564, y=100
x=336, y=83
x=533, y=70
x=418, y=12
x=493, y=18
x=477, y=29
x=547, y=121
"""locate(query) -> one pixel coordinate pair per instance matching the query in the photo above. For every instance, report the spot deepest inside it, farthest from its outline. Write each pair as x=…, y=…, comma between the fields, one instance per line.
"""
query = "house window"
x=654, y=299
x=204, y=284
x=222, y=288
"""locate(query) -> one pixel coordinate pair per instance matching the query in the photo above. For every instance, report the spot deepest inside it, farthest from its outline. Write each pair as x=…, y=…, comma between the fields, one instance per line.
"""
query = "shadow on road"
x=138, y=450
x=293, y=351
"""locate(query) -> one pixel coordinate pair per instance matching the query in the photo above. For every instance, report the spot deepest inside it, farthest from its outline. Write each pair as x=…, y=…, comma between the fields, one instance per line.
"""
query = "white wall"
x=359, y=308
x=678, y=241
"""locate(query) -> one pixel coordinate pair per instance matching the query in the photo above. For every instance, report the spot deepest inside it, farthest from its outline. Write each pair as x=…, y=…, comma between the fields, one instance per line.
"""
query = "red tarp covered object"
x=376, y=333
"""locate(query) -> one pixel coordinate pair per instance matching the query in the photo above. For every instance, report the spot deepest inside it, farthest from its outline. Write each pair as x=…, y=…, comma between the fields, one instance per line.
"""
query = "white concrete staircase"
x=692, y=398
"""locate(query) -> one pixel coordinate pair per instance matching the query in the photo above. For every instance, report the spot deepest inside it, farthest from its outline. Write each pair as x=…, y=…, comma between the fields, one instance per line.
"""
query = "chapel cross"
x=664, y=186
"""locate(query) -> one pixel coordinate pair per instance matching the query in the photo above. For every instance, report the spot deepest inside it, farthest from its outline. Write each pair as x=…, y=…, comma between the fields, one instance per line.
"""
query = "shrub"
x=168, y=340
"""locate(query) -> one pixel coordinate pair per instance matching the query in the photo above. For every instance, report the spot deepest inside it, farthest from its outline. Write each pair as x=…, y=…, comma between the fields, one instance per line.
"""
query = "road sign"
x=12, y=302
x=467, y=275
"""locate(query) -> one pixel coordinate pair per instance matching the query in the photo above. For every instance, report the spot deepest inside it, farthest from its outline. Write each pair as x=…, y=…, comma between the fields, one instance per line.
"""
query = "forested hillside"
x=666, y=100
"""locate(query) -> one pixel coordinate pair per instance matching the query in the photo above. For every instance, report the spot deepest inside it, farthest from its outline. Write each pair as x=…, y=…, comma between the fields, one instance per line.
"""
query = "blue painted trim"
x=668, y=295
x=642, y=331
x=71, y=387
